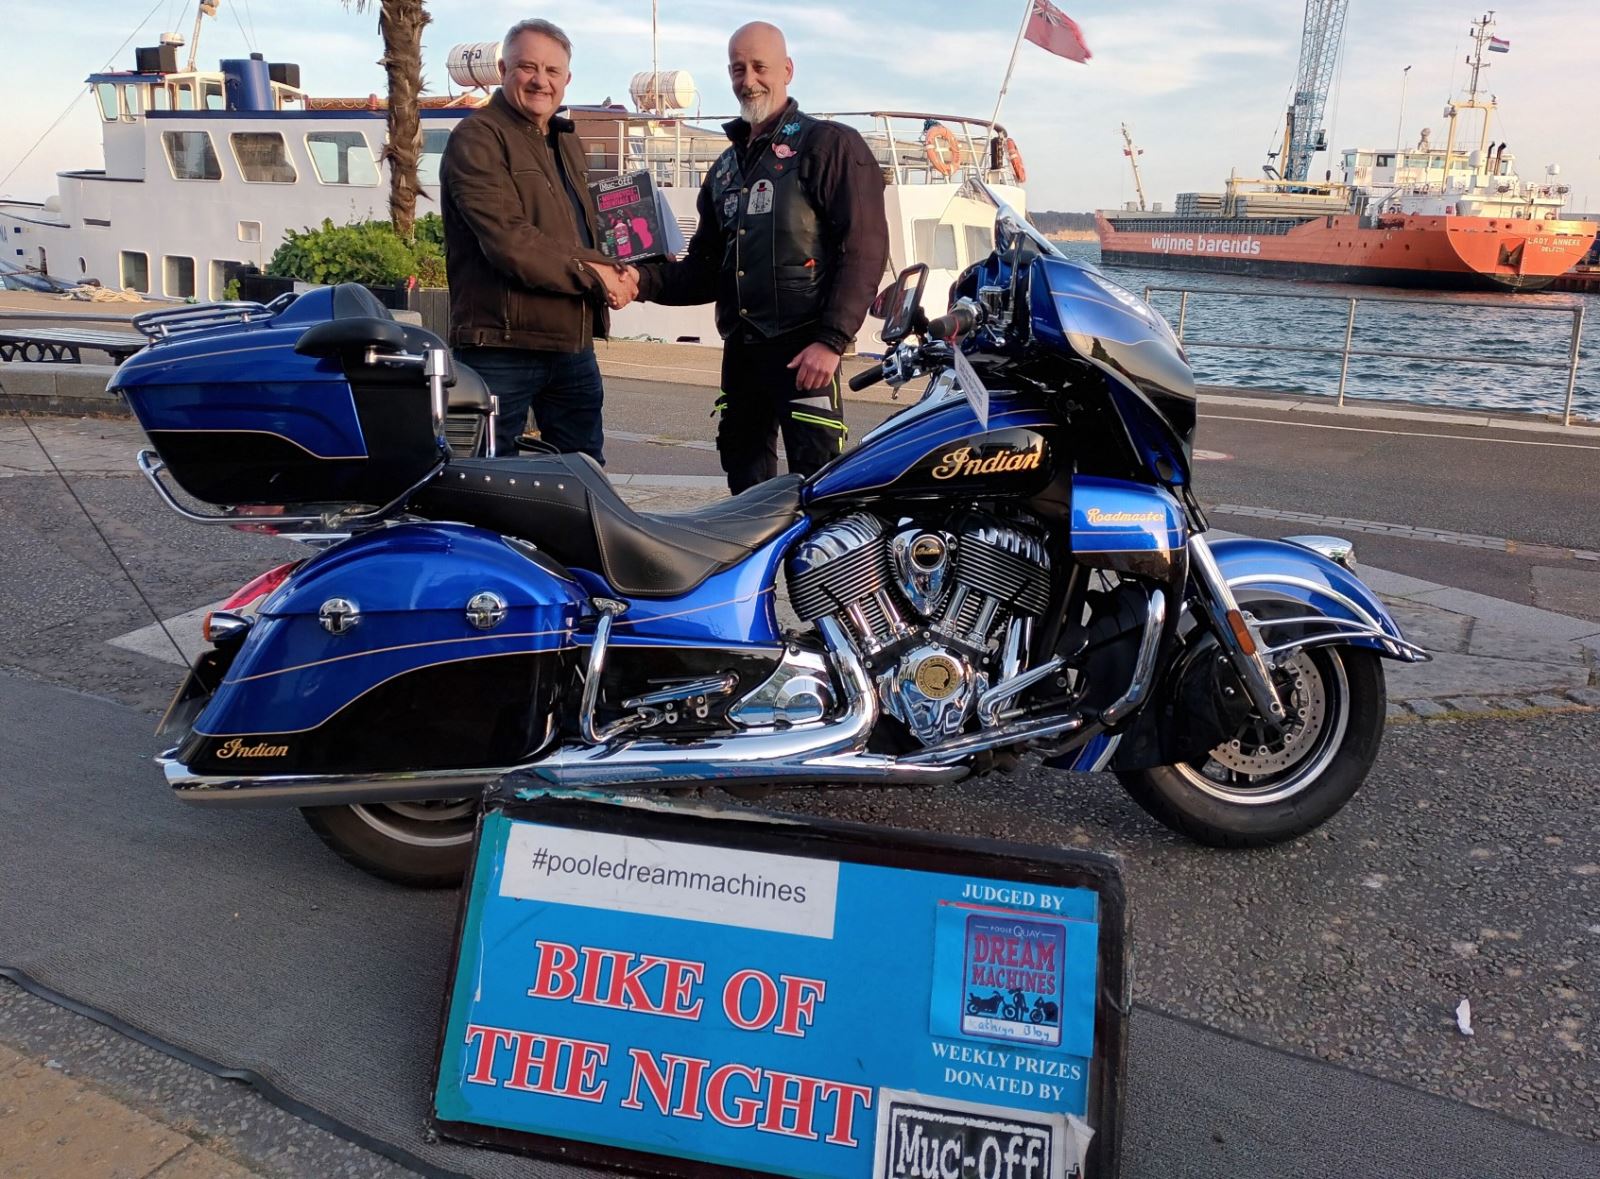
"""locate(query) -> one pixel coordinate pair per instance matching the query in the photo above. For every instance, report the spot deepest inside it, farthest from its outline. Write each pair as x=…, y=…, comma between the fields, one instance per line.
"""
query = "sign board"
x=688, y=991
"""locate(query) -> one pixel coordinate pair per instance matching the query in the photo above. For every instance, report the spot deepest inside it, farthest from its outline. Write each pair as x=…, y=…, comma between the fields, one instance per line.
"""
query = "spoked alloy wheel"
x=424, y=844
x=1259, y=788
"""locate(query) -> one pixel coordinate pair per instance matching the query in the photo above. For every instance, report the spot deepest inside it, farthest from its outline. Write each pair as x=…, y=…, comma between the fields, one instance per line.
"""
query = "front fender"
x=1257, y=570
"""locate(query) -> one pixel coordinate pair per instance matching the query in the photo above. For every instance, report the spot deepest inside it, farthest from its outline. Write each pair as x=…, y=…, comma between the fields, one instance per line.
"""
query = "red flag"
x=1050, y=28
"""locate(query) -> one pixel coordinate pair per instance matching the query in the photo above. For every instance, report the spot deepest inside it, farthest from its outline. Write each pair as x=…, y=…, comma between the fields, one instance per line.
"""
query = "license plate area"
x=204, y=678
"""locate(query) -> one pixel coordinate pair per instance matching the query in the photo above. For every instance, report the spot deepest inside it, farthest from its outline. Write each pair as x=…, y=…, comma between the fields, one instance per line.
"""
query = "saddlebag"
x=410, y=648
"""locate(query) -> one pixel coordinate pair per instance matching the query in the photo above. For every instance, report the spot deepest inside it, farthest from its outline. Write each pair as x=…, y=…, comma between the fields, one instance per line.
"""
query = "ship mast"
x=1481, y=35
x=203, y=9
x=1133, y=154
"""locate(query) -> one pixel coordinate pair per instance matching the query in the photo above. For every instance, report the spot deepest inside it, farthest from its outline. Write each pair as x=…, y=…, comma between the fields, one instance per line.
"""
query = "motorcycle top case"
x=412, y=647
x=240, y=418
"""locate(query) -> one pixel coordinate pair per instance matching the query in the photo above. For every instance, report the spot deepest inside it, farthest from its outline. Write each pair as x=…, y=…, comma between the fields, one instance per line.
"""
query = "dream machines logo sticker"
x=1013, y=978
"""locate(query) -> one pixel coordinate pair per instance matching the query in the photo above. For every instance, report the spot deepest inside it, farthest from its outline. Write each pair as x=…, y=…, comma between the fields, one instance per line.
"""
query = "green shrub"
x=367, y=252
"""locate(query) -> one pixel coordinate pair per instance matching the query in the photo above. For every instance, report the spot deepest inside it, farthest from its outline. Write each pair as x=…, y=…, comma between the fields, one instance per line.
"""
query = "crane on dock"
x=1321, y=34
x=1133, y=154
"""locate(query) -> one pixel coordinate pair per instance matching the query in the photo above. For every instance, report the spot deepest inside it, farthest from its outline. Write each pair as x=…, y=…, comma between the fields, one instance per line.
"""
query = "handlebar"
x=866, y=377
x=958, y=321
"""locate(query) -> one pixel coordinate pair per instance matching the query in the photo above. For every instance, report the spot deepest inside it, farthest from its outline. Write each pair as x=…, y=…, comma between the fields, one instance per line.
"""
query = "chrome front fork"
x=1233, y=632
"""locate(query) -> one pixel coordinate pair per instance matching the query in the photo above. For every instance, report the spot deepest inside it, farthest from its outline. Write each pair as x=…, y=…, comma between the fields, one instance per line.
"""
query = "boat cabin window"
x=980, y=242
x=1385, y=161
x=222, y=272
x=432, y=152
x=106, y=92
x=177, y=276
x=935, y=243
x=191, y=156
x=135, y=271
x=184, y=91
x=133, y=100
x=160, y=98
x=263, y=157
x=342, y=157
x=249, y=231
x=213, y=96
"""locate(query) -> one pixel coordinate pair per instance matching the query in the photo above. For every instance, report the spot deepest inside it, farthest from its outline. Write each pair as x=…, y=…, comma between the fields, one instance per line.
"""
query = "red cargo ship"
x=1445, y=218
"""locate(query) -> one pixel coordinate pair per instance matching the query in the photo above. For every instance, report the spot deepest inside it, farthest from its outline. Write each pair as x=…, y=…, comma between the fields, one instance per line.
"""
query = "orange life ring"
x=1014, y=154
x=944, y=164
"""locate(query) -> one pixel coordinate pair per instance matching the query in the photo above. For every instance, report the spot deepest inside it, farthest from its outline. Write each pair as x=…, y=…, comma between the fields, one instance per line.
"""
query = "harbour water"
x=1473, y=327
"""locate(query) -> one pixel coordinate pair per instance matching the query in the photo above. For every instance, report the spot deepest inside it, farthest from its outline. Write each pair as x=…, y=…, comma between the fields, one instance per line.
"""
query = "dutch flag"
x=1499, y=45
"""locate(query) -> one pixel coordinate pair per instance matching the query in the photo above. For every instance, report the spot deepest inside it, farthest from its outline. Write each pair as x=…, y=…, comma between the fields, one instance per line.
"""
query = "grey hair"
x=534, y=25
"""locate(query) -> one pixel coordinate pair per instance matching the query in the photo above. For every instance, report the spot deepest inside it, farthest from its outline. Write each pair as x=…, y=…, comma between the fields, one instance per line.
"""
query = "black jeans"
x=759, y=398
x=563, y=389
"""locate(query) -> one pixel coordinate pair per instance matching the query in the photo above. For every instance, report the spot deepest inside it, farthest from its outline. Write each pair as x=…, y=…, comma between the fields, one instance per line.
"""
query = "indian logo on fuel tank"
x=962, y=462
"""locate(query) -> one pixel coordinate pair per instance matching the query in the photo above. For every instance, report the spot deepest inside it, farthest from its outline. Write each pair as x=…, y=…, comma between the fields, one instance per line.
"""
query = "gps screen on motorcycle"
x=901, y=302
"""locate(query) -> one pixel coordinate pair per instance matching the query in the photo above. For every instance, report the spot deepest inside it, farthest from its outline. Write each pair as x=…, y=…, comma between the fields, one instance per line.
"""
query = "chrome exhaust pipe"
x=824, y=754
x=323, y=789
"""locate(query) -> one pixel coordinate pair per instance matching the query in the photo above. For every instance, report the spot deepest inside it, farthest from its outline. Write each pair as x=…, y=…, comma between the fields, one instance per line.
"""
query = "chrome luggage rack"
x=172, y=321
x=331, y=522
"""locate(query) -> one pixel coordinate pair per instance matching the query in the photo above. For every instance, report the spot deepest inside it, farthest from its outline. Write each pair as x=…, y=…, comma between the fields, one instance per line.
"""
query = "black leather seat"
x=565, y=504
x=468, y=391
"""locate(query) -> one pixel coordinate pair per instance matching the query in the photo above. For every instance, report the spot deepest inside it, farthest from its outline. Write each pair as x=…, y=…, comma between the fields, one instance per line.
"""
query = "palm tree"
x=401, y=22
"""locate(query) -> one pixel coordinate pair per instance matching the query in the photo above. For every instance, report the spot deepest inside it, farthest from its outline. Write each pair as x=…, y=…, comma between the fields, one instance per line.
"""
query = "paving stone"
x=54, y=1127
x=1396, y=711
x=1465, y=675
x=1495, y=640
x=1588, y=696
x=1434, y=628
x=1548, y=701
x=1469, y=704
x=1427, y=709
x=1567, y=590
x=1544, y=623
x=1510, y=704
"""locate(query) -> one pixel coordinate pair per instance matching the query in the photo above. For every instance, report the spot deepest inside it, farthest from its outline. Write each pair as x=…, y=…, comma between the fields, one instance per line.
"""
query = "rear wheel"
x=1257, y=789
x=422, y=844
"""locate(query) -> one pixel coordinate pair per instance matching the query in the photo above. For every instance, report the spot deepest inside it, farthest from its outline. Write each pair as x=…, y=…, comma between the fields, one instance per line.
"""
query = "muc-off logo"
x=1012, y=978
x=921, y=1139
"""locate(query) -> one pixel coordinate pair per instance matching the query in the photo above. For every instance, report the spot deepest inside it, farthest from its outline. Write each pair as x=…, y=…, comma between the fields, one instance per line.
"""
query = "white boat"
x=205, y=171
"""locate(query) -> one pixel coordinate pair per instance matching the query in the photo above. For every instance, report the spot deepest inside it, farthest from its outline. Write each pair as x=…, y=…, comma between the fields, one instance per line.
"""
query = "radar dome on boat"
x=662, y=90
x=474, y=63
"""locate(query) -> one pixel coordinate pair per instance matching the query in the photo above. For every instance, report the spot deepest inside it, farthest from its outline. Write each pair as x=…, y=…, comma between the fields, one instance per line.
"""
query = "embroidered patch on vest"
x=761, y=197
x=782, y=150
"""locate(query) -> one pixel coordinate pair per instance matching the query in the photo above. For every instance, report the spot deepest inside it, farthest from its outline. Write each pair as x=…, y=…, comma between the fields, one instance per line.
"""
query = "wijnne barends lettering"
x=657, y=876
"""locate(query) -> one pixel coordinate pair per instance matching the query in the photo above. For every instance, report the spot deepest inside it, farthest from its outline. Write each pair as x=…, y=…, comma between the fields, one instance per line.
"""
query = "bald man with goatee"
x=791, y=246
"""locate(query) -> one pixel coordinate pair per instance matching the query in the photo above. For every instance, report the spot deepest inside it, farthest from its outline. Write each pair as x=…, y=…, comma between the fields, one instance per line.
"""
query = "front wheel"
x=422, y=844
x=1254, y=790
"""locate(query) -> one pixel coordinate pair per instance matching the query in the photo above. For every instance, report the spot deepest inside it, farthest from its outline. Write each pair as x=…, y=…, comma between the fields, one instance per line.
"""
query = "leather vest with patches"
x=773, y=267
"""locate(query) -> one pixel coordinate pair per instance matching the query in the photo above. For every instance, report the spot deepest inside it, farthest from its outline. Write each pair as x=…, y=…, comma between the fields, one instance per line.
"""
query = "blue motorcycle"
x=1015, y=564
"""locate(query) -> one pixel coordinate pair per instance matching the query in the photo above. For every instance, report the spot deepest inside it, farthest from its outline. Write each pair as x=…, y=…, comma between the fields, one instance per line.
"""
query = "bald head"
x=760, y=70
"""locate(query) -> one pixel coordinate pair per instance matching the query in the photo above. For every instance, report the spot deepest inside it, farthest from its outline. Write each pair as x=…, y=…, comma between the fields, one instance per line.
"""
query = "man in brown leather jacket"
x=528, y=288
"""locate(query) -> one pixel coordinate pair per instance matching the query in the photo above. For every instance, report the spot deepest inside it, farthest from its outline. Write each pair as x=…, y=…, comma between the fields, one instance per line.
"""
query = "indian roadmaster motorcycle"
x=1015, y=563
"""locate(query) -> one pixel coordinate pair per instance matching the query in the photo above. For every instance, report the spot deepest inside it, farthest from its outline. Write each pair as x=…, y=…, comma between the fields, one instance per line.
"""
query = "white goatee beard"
x=756, y=111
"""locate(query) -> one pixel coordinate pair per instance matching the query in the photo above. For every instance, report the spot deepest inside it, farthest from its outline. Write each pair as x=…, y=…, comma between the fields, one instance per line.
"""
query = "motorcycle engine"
x=938, y=612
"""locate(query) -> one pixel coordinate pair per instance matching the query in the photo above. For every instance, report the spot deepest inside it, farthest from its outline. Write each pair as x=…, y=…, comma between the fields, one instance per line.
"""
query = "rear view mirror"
x=902, y=303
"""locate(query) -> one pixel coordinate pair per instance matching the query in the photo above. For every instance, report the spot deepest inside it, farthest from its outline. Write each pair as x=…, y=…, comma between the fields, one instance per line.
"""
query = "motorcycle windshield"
x=1074, y=305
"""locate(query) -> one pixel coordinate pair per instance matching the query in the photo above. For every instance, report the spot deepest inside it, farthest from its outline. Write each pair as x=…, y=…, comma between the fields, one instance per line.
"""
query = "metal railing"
x=1569, y=363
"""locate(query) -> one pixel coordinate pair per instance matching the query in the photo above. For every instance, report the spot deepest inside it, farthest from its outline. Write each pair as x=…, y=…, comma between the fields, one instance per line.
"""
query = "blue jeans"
x=563, y=389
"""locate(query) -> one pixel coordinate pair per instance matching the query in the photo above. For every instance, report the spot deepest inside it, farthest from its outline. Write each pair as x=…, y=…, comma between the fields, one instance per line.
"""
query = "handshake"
x=621, y=282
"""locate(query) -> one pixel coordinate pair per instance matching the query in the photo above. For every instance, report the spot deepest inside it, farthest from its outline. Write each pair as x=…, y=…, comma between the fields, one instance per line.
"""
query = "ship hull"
x=1431, y=253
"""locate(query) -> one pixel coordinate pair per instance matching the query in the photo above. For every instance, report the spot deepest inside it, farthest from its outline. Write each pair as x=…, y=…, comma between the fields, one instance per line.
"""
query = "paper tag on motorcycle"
x=690, y=991
x=976, y=392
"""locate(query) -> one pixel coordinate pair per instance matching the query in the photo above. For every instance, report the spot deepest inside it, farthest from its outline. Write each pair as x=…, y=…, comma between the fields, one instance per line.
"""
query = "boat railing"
x=681, y=151
x=1346, y=350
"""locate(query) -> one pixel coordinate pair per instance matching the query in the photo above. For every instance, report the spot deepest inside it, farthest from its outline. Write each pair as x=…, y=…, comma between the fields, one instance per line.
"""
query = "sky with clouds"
x=1202, y=83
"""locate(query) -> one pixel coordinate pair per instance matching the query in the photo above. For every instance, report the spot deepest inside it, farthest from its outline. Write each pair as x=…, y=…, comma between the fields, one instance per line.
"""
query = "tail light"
x=229, y=621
